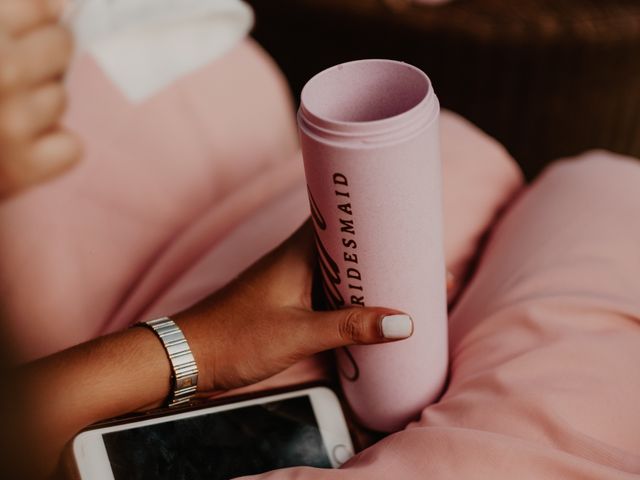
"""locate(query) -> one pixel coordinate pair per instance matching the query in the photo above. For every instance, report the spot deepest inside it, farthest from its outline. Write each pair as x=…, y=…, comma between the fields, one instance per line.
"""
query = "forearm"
x=110, y=376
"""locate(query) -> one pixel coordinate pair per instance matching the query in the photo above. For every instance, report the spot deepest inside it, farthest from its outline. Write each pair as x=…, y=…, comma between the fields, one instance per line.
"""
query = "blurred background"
x=546, y=78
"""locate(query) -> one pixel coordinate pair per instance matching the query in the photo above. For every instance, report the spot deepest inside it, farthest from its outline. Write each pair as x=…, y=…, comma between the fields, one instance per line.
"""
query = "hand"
x=34, y=54
x=263, y=322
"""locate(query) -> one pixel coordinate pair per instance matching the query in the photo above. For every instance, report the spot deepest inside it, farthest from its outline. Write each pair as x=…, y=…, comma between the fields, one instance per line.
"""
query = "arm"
x=107, y=377
x=256, y=327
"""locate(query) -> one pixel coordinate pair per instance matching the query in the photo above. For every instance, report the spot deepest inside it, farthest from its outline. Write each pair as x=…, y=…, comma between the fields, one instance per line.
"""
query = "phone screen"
x=221, y=445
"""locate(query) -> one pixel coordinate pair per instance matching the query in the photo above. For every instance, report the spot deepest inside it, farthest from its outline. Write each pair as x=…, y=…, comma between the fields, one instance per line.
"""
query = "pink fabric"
x=545, y=345
x=179, y=194
x=162, y=183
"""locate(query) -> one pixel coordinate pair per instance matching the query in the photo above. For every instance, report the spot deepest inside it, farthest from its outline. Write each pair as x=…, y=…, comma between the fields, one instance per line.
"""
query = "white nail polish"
x=397, y=326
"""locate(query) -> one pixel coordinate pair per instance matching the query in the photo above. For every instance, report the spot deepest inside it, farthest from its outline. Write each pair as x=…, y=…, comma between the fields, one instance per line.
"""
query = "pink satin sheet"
x=179, y=194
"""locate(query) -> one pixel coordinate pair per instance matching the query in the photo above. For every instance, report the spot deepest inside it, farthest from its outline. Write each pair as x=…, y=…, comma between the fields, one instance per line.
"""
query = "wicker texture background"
x=548, y=78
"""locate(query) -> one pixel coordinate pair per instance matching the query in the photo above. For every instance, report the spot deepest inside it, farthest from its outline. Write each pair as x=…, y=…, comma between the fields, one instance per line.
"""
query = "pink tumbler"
x=369, y=133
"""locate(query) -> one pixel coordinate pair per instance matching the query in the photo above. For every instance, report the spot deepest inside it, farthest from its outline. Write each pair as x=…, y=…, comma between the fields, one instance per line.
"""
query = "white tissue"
x=146, y=45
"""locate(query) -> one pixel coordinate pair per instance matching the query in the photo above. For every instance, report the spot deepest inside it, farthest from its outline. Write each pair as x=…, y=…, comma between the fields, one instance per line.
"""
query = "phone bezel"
x=92, y=462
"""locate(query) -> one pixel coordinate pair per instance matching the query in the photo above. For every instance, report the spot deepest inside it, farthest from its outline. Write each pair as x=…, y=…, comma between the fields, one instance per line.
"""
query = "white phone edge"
x=92, y=462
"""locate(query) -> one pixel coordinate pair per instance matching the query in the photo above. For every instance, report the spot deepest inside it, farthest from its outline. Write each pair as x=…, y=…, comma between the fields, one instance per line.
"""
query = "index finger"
x=19, y=16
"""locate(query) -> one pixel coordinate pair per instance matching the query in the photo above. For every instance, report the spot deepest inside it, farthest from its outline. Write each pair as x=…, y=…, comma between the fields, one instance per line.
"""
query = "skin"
x=257, y=326
x=35, y=51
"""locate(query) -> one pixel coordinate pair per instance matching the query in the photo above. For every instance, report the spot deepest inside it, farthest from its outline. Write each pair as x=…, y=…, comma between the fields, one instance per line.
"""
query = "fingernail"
x=397, y=326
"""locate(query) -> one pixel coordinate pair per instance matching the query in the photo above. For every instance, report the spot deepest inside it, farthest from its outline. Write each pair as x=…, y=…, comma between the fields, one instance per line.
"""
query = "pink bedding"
x=179, y=194
x=545, y=345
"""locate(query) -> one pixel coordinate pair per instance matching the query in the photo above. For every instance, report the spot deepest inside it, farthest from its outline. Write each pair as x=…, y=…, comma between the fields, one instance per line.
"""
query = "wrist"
x=184, y=370
x=195, y=330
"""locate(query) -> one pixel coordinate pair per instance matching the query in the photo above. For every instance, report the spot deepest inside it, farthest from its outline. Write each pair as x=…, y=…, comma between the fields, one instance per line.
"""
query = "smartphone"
x=305, y=427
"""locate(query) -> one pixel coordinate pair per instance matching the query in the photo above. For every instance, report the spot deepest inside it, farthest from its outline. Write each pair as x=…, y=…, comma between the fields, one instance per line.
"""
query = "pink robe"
x=179, y=194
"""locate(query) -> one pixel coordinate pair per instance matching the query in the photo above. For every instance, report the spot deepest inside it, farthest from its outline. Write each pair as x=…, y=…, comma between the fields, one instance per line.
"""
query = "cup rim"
x=325, y=122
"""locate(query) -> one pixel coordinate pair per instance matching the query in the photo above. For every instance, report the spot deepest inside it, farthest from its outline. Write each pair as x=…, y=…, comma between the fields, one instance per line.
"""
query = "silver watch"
x=184, y=380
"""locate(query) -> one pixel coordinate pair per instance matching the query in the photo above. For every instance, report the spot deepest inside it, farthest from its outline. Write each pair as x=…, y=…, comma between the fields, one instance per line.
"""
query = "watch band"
x=184, y=380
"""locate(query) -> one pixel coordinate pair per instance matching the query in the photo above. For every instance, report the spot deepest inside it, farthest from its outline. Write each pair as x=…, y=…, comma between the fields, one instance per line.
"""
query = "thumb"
x=352, y=326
